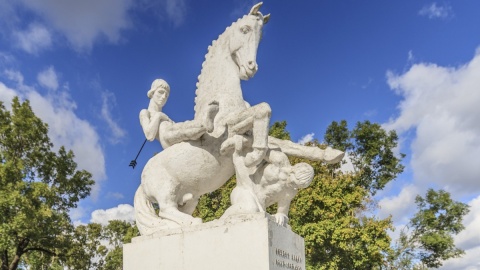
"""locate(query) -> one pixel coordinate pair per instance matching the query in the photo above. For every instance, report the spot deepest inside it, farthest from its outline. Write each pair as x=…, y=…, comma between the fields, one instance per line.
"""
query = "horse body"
x=176, y=177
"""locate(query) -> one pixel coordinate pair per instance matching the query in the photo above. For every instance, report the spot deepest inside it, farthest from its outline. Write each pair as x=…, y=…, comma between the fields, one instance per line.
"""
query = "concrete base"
x=253, y=242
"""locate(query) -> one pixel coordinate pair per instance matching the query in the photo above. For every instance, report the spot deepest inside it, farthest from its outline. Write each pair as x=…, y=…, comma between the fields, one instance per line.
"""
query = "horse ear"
x=266, y=18
x=255, y=9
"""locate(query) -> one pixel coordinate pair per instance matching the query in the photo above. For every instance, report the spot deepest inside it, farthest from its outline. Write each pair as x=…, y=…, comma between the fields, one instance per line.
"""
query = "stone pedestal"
x=253, y=242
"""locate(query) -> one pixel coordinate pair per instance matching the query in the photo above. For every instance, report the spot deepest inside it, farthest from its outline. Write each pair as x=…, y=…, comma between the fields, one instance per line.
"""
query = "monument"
x=227, y=136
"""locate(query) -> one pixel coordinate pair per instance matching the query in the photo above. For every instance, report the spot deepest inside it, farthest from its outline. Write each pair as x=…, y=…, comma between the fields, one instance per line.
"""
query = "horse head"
x=246, y=35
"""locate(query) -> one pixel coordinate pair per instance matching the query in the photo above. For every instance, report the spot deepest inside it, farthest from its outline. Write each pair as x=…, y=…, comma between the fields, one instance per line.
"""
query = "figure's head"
x=159, y=92
x=246, y=35
x=302, y=175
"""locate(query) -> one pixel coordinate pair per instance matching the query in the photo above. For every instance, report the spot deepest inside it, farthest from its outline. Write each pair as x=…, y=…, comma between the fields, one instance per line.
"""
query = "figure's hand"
x=254, y=158
x=281, y=219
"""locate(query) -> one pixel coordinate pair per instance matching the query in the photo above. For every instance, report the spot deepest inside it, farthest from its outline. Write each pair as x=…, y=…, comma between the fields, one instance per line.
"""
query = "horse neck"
x=219, y=79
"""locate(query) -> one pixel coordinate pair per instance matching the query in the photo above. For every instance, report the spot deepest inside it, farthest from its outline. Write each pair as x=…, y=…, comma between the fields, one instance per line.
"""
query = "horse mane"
x=204, y=90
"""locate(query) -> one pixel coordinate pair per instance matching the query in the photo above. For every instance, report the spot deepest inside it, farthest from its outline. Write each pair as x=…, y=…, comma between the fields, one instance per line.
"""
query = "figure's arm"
x=151, y=123
x=277, y=158
x=242, y=172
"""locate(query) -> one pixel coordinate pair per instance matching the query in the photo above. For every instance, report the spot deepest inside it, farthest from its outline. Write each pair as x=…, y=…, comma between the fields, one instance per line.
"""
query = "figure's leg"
x=329, y=155
x=173, y=133
x=183, y=131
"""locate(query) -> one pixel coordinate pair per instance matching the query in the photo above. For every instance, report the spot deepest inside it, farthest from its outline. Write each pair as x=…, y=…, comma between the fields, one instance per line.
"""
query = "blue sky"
x=413, y=66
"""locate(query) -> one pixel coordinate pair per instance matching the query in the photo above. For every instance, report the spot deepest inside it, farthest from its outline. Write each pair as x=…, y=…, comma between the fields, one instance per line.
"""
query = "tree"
x=94, y=246
x=99, y=246
x=428, y=238
x=117, y=233
x=38, y=187
x=329, y=215
x=370, y=149
x=87, y=250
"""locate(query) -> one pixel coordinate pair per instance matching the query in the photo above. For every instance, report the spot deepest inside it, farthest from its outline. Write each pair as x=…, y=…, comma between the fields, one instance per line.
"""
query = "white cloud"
x=441, y=105
x=347, y=165
x=6, y=95
x=176, y=10
x=115, y=195
x=84, y=22
x=399, y=206
x=307, y=138
x=6, y=58
x=121, y=212
x=469, y=240
x=108, y=99
x=470, y=237
x=434, y=11
x=77, y=213
x=34, y=39
x=48, y=78
x=410, y=56
x=65, y=127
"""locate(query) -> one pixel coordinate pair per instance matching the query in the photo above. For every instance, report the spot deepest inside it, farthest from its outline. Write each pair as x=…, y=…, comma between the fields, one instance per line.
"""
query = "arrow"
x=133, y=163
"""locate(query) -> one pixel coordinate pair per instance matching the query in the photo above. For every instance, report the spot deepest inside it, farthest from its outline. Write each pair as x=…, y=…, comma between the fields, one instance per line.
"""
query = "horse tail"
x=145, y=216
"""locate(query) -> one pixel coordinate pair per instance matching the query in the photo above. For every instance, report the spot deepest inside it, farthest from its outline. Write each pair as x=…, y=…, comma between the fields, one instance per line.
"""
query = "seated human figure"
x=274, y=181
x=157, y=125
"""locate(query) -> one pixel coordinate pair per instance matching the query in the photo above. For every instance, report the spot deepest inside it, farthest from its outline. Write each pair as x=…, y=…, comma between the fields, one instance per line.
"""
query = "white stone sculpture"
x=275, y=180
x=157, y=125
x=200, y=161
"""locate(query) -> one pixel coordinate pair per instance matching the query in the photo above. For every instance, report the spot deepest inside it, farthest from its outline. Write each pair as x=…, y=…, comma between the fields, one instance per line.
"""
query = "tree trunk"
x=4, y=265
x=18, y=254
x=15, y=262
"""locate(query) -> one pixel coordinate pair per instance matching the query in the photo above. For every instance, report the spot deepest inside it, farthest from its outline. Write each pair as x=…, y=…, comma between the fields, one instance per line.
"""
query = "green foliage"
x=211, y=206
x=87, y=251
x=94, y=246
x=38, y=187
x=370, y=149
x=328, y=215
x=431, y=231
x=278, y=130
x=117, y=233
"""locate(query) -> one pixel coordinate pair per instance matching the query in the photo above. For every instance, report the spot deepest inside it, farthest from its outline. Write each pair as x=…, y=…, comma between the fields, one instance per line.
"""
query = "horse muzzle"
x=248, y=71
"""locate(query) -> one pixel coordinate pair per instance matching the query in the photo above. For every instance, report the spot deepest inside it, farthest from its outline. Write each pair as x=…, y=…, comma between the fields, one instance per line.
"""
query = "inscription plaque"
x=285, y=253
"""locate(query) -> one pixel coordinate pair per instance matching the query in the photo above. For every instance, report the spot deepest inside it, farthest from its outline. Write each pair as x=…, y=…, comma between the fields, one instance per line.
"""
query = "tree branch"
x=42, y=250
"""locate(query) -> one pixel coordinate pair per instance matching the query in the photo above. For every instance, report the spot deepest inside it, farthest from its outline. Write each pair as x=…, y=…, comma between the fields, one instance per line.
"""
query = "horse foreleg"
x=257, y=119
x=261, y=113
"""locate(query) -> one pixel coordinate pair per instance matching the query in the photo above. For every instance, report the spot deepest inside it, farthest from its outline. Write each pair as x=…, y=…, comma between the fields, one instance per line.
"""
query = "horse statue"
x=175, y=178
